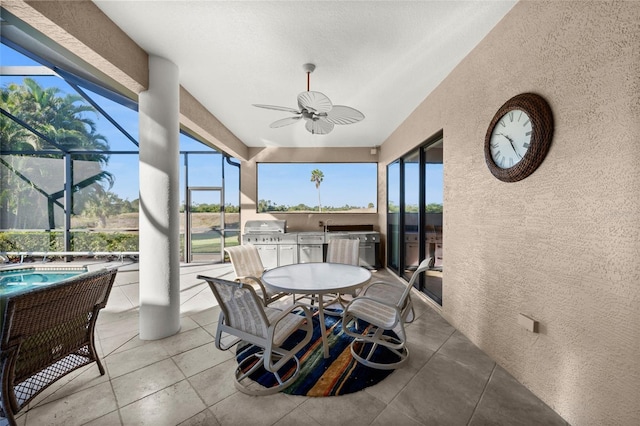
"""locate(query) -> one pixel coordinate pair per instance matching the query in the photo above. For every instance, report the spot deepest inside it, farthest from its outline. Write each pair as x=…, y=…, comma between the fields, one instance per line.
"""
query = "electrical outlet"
x=320, y=224
x=528, y=323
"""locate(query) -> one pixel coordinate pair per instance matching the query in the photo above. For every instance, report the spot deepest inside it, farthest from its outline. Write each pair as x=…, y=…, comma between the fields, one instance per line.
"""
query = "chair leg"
x=409, y=312
x=375, y=340
x=9, y=405
x=253, y=388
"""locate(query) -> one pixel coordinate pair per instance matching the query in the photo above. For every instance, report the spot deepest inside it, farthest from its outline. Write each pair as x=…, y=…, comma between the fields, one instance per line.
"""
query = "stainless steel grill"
x=311, y=247
x=369, y=245
x=268, y=232
x=276, y=246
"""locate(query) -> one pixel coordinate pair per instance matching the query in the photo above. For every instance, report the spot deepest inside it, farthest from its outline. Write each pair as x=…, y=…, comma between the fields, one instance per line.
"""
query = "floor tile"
x=442, y=393
x=132, y=291
x=74, y=409
x=463, y=351
x=124, y=362
x=118, y=300
x=203, y=418
x=296, y=418
x=126, y=340
x=391, y=386
x=186, y=340
x=207, y=316
x=216, y=383
x=392, y=416
x=429, y=331
x=241, y=409
x=145, y=381
x=201, y=301
x=112, y=325
x=354, y=409
x=167, y=407
x=506, y=402
x=76, y=381
x=201, y=358
x=111, y=419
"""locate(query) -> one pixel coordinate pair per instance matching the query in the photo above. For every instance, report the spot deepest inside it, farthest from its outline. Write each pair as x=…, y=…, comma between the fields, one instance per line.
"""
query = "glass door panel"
x=205, y=224
x=433, y=209
x=411, y=213
x=393, y=216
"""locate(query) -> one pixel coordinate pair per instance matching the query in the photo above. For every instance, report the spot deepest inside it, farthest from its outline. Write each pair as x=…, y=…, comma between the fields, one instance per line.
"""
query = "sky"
x=354, y=184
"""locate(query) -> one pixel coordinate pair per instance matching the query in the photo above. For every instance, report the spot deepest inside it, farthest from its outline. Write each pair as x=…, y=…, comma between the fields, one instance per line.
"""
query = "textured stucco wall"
x=563, y=245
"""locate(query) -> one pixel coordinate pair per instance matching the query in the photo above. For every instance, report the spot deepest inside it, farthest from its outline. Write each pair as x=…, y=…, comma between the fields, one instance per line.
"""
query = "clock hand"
x=512, y=145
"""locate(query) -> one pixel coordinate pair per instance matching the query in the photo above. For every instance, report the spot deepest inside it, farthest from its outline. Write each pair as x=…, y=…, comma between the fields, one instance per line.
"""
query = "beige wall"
x=301, y=221
x=563, y=245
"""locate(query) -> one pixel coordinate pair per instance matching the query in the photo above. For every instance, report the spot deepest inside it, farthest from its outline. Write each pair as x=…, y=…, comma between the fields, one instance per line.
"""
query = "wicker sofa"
x=47, y=333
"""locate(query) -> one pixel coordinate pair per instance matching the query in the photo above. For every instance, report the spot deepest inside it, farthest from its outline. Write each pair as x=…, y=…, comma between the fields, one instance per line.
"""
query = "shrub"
x=80, y=241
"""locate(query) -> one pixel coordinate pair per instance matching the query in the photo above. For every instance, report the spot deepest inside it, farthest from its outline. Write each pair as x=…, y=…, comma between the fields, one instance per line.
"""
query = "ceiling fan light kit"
x=316, y=109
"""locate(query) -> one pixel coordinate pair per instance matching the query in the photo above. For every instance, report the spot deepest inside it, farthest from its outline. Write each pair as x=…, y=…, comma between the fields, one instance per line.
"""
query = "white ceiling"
x=382, y=58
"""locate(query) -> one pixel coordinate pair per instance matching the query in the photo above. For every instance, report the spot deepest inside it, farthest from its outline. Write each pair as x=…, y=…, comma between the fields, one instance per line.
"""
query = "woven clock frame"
x=541, y=117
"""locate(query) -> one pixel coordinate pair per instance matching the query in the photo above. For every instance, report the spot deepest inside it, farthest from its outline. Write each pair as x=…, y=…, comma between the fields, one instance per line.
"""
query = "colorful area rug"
x=337, y=375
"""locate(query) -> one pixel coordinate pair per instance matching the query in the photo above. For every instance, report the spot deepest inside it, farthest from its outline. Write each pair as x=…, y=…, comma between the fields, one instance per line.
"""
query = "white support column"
x=159, y=202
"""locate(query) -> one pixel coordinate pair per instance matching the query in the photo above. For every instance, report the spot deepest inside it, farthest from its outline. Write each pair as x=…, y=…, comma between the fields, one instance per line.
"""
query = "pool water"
x=25, y=279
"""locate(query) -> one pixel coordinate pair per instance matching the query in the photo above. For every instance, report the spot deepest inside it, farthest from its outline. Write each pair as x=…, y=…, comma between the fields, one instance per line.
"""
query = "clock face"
x=510, y=139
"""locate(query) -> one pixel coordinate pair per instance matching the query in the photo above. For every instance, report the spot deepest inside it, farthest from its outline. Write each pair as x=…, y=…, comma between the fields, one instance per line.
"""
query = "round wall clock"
x=518, y=137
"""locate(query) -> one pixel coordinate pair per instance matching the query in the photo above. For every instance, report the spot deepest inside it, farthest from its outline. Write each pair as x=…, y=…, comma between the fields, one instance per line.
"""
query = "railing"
x=119, y=254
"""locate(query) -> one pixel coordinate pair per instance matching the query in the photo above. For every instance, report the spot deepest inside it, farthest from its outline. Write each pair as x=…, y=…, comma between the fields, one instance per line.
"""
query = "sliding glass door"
x=414, y=215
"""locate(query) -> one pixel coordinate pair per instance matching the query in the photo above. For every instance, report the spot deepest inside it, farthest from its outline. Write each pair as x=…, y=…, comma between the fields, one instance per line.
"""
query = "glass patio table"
x=317, y=279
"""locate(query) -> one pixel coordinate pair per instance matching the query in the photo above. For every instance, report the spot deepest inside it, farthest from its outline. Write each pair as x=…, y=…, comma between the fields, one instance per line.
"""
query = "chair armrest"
x=258, y=281
x=249, y=277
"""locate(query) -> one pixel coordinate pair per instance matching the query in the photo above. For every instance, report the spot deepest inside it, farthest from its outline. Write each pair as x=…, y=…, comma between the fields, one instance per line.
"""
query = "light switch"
x=528, y=323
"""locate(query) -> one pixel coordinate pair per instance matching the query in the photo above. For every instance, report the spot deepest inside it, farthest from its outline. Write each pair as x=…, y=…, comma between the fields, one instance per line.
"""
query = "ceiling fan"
x=317, y=110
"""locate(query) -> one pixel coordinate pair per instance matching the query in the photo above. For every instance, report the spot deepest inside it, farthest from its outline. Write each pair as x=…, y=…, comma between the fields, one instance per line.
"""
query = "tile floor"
x=185, y=380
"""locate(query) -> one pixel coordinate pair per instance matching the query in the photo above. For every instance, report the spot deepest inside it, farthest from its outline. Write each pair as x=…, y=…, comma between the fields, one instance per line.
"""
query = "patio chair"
x=385, y=309
x=342, y=250
x=47, y=333
x=244, y=318
x=248, y=268
x=391, y=290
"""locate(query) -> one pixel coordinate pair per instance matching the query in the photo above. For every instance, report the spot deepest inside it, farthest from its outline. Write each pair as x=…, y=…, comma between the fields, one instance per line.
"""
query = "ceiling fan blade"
x=319, y=126
x=341, y=114
x=314, y=102
x=284, y=122
x=278, y=108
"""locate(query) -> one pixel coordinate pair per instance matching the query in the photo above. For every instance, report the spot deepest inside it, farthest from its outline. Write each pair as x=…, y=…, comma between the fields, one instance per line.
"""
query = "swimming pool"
x=20, y=279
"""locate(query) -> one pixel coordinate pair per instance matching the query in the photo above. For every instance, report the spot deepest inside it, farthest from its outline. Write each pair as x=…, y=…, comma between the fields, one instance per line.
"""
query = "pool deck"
x=184, y=380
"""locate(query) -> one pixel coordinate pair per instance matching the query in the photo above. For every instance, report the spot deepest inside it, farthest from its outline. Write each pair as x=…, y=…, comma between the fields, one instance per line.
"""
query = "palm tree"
x=62, y=122
x=317, y=176
x=101, y=205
